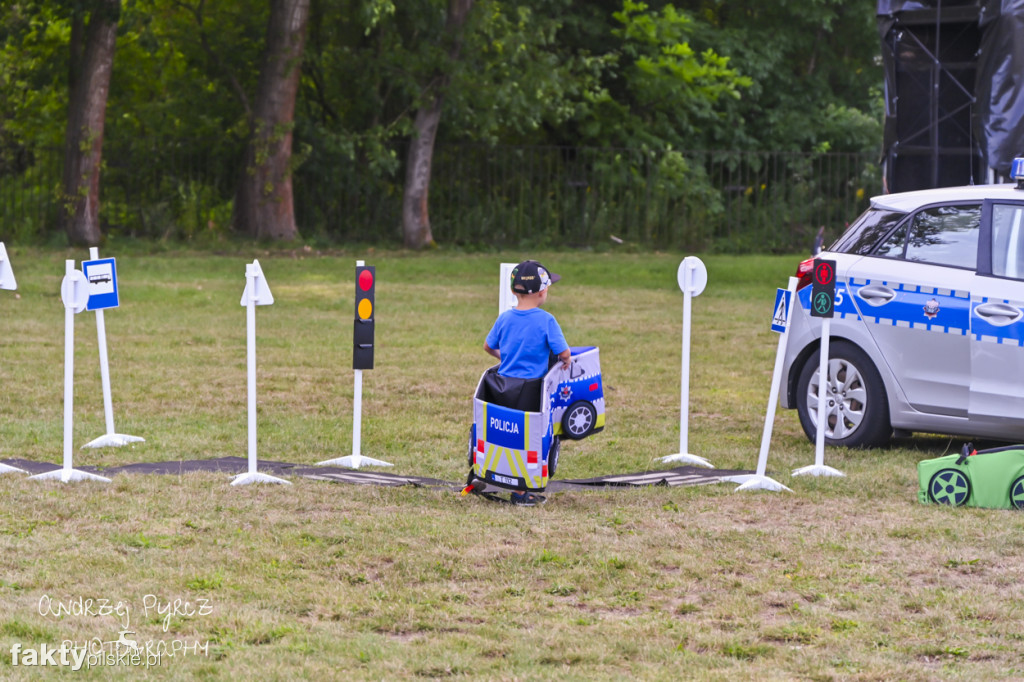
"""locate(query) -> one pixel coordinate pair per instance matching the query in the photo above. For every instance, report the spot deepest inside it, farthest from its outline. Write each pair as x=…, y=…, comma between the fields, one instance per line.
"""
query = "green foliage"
x=657, y=82
x=662, y=92
x=517, y=78
x=28, y=202
x=33, y=76
x=814, y=70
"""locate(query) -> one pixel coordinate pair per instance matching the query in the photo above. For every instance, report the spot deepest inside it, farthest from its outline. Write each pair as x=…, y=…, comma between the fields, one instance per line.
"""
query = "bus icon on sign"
x=101, y=276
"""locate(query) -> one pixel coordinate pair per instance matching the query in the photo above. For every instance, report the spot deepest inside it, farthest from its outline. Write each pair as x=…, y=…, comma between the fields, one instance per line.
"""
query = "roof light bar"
x=1017, y=171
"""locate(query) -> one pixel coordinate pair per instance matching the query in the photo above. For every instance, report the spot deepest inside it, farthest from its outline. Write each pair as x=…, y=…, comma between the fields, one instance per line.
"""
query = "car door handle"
x=999, y=314
x=876, y=294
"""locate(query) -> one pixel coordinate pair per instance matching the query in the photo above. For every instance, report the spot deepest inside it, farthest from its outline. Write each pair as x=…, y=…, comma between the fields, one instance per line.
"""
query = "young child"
x=523, y=339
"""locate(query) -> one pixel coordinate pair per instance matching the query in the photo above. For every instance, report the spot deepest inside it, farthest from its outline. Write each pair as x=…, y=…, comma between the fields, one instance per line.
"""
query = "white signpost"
x=74, y=292
x=7, y=282
x=257, y=292
x=692, y=277
x=101, y=278
x=780, y=323
x=506, y=299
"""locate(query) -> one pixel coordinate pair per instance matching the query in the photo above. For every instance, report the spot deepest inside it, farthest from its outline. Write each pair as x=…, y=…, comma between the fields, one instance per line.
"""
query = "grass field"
x=845, y=578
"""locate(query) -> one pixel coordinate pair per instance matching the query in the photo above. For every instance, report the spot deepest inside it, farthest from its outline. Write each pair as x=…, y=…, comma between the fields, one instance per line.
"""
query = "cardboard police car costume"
x=993, y=479
x=517, y=450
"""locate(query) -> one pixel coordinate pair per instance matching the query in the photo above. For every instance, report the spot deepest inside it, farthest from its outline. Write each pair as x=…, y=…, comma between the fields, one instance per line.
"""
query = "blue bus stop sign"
x=101, y=276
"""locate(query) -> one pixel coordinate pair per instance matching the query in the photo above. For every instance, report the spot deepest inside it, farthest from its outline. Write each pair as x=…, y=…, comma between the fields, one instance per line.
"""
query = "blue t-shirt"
x=526, y=340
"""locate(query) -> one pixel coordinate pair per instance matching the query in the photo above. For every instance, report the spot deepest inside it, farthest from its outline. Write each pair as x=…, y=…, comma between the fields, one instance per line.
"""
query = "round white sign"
x=74, y=291
x=692, y=276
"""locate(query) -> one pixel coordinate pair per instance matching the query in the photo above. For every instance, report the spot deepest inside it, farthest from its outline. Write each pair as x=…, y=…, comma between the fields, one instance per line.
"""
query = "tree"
x=415, y=214
x=264, y=206
x=816, y=77
x=91, y=64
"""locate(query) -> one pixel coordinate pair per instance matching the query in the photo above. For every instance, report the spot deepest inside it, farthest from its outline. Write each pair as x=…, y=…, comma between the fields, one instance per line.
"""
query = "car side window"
x=1008, y=241
x=893, y=245
x=867, y=230
x=945, y=235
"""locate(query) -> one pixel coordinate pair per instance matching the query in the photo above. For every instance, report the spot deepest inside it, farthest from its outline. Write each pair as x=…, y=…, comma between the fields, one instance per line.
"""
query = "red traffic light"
x=824, y=272
x=362, y=336
x=365, y=280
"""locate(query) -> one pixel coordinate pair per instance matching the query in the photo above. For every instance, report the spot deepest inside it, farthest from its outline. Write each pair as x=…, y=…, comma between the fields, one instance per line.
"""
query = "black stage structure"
x=954, y=91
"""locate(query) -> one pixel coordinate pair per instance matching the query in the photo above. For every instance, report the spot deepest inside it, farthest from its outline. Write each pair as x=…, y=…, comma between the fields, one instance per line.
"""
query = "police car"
x=928, y=333
x=515, y=449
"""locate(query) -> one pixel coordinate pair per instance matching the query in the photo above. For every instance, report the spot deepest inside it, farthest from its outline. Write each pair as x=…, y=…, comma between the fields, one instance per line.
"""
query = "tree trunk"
x=416, y=231
x=89, y=83
x=264, y=206
x=415, y=215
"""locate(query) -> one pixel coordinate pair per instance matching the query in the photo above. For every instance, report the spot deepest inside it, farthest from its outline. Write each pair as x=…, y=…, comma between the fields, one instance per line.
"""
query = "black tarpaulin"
x=999, y=85
x=954, y=90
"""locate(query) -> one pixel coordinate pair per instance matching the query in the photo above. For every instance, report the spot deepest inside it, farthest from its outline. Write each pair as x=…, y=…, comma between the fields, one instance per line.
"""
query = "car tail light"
x=804, y=273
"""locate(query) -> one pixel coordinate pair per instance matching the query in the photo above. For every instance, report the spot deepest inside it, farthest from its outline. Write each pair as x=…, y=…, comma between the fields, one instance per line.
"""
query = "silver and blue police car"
x=928, y=333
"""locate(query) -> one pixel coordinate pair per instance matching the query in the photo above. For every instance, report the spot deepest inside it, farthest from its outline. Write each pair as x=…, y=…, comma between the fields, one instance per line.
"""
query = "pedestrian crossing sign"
x=781, y=314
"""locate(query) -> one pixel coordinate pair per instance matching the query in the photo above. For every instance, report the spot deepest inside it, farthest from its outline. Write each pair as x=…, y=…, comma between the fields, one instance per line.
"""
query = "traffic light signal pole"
x=824, y=285
x=363, y=315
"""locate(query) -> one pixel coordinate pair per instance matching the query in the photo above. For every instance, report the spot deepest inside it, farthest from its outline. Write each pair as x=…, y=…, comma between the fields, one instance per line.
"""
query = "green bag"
x=992, y=479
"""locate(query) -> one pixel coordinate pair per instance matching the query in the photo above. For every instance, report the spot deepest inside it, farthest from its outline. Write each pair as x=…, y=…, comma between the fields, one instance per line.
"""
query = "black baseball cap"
x=529, y=277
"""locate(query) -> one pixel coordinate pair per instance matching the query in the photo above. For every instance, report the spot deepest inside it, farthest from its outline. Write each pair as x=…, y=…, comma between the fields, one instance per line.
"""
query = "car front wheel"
x=856, y=408
x=578, y=420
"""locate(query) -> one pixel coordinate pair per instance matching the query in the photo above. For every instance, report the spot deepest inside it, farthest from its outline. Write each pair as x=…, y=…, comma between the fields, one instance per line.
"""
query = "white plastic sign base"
x=756, y=482
x=354, y=462
x=8, y=469
x=688, y=459
x=818, y=470
x=69, y=476
x=256, y=477
x=113, y=440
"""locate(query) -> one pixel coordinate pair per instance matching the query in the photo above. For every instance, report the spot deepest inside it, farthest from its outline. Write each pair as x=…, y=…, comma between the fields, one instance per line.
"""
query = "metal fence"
x=480, y=196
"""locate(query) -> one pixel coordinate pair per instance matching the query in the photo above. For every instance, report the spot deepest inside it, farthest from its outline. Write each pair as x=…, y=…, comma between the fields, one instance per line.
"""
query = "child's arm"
x=564, y=358
x=491, y=351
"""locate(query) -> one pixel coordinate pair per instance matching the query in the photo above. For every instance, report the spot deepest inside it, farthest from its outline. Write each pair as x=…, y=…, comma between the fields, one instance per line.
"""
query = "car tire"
x=949, y=486
x=857, y=414
x=556, y=447
x=1017, y=493
x=578, y=420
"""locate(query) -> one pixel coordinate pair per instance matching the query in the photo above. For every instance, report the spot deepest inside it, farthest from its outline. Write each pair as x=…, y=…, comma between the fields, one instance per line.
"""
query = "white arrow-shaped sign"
x=6, y=273
x=256, y=287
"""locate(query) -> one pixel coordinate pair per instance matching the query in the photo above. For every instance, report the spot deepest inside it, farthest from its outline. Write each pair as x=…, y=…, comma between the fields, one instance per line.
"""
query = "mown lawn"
x=846, y=578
